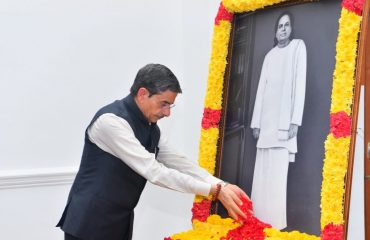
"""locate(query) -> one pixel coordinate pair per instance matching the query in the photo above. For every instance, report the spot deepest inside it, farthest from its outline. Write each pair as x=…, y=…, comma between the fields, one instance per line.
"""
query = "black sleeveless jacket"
x=105, y=191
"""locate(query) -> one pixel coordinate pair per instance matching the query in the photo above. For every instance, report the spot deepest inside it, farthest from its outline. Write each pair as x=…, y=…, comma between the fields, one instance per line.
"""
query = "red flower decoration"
x=223, y=14
x=167, y=238
x=340, y=124
x=211, y=118
x=332, y=232
x=201, y=210
x=251, y=229
x=354, y=6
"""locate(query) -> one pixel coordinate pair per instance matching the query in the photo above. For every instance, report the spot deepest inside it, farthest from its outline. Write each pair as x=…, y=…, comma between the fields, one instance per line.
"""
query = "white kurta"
x=279, y=103
x=170, y=169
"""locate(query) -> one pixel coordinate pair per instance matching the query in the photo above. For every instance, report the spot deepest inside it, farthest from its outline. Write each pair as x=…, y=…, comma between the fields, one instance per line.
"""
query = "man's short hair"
x=156, y=78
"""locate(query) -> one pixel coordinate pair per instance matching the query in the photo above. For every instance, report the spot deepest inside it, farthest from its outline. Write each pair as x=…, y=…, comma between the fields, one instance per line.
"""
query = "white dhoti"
x=269, y=187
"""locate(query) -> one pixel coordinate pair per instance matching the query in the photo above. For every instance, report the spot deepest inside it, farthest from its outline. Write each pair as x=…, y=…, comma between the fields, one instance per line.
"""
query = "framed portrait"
x=281, y=109
x=273, y=89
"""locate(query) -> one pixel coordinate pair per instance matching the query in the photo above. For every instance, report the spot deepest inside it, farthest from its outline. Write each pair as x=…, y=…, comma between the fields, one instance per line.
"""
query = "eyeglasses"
x=165, y=105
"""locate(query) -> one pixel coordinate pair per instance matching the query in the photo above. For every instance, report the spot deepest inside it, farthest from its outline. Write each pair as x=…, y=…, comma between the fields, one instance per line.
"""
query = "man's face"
x=284, y=29
x=156, y=106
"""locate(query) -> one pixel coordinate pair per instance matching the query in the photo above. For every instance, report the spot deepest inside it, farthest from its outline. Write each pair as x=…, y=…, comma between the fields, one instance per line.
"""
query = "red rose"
x=211, y=118
x=340, y=124
x=332, y=232
x=251, y=229
x=201, y=210
x=223, y=14
x=354, y=6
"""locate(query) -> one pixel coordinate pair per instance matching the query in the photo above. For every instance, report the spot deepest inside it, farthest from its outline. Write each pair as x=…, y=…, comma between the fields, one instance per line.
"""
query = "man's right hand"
x=231, y=197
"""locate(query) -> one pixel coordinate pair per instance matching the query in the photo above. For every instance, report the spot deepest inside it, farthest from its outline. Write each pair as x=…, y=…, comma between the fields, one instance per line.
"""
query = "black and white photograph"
x=280, y=95
x=278, y=105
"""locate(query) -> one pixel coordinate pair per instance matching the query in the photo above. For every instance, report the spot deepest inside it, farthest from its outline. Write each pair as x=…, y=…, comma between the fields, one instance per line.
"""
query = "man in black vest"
x=123, y=149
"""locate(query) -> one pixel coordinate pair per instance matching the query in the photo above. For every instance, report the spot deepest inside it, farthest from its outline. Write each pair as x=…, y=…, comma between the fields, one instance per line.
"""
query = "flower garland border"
x=337, y=143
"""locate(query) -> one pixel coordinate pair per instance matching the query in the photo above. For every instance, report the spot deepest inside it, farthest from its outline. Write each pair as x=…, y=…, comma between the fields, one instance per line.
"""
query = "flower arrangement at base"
x=213, y=227
x=252, y=227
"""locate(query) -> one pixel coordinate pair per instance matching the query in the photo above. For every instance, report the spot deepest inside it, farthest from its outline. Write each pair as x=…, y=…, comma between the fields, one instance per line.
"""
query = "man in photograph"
x=277, y=114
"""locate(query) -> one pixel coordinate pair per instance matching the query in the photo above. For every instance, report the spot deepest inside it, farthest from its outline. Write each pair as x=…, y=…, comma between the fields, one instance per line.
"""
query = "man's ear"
x=142, y=93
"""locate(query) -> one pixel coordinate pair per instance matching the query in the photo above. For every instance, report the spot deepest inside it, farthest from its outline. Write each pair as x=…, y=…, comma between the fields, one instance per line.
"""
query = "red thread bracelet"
x=218, y=189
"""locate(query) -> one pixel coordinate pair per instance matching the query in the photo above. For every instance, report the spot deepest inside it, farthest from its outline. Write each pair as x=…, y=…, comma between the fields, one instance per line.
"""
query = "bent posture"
x=123, y=149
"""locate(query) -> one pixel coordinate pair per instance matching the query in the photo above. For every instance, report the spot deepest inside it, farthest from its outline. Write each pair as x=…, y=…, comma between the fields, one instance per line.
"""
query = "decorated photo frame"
x=338, y=146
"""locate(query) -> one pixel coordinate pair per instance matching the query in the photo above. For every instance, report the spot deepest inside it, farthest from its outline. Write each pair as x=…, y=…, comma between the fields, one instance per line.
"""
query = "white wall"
x=356, y=221
x=175, y=214
x=63, y=59
x=60, y=61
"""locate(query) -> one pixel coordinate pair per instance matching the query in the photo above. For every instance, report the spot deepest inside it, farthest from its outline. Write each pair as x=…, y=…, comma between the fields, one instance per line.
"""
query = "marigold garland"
x=274, y=234
x=336, y=145
x=338, y=141
x=208, y=148
x=214, y=228
x=346, y=48
x=217, y=66
x=239, y=6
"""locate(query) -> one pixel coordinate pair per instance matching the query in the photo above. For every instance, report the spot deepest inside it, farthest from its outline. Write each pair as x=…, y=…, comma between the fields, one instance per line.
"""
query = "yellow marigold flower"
x=217, y=66
x=334, y=170
x=208, y=148
x=238, y=6
x=214, y=228
x=346, y=48
x=199, y=198
x=274, y=234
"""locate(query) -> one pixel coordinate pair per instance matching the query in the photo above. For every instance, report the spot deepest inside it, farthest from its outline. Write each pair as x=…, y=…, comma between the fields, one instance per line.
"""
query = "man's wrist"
x=215, y=191
x=224, y=183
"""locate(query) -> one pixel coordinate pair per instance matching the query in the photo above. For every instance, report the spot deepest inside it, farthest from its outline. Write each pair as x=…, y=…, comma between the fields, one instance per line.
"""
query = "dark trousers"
x=128, y=235
x=70, y=237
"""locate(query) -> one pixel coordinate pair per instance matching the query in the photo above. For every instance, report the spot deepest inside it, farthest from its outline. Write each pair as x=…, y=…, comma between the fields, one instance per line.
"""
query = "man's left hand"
x=293, y=130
